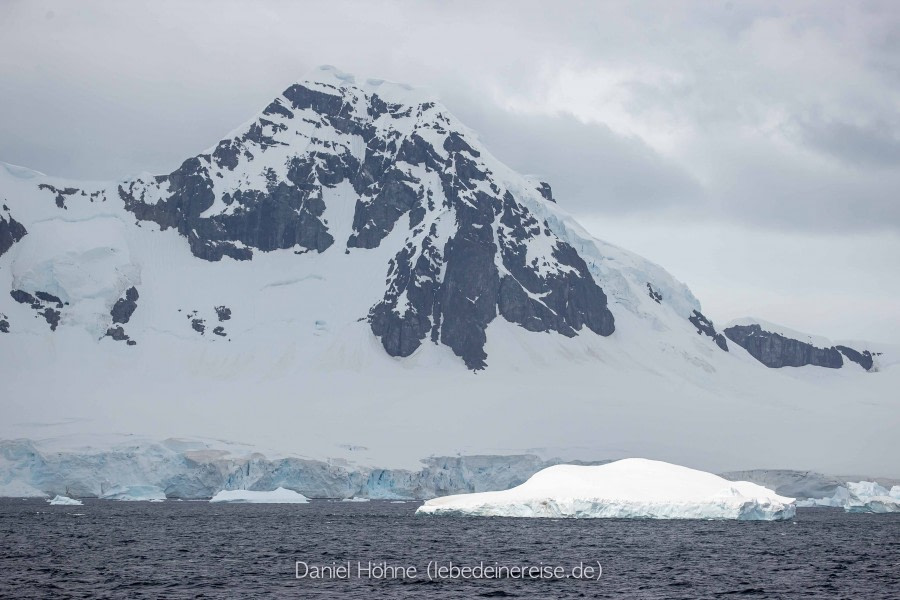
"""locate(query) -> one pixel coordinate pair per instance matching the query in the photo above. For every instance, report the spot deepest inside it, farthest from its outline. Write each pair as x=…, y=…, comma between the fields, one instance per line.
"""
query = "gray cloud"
x=591, y=169
x=875, y=144
x=778, y=115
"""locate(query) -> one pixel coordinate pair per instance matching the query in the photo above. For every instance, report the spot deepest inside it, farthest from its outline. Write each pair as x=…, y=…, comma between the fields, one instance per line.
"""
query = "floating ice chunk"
x=861, y=497
x=868, y=496
x=279, y=496
x=136, y=493
x=354, y=499
x=65, y=501
x=630, y=488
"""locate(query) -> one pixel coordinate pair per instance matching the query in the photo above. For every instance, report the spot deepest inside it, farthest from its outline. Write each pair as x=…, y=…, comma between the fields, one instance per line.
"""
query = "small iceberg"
x=354, y=499
x=279, y=496
x=65, y=501
x=630, y=488
x=136, y=493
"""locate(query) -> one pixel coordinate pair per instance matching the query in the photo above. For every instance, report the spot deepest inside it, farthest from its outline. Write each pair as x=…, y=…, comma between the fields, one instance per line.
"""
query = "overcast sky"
x=751, y=148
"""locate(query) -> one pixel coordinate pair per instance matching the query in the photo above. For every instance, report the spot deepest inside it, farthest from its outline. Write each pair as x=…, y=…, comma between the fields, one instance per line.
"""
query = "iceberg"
x=135, y=493
x=278, y=496
x=860, y=497
x=629, y=488
x=64, y=501
x=868, y=496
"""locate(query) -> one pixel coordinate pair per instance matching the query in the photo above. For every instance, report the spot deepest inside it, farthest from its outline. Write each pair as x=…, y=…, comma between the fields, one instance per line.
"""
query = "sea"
x=381, y=549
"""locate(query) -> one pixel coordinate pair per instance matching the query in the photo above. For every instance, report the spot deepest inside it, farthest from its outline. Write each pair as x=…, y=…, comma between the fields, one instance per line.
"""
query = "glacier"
x=199, y=469
x=276, y=496
x=628, y=488
x=194, y=469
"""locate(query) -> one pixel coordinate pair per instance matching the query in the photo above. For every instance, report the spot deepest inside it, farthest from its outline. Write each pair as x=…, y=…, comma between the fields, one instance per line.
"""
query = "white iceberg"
x=861, y=497
x=279, y=496
x=630, y=488
x=868, y=496
x=354, y=499
x=64, y=501
x=136, y=493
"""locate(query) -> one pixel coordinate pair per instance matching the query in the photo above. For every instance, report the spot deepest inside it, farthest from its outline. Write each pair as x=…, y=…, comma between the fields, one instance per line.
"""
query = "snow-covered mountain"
x=351, y=273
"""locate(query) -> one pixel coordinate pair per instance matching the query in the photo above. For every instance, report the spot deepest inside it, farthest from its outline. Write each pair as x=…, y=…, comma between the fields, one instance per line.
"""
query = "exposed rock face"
x=125, y=307
x=705, y=327
x=4, y=324
x=775, y=350
x=198, y=325
x=121, y=313
x=863, y=359
x=61, y=194
x=546, y=192
x=282, y=216
x=44, y=304
x=11, y=231
x=118, y=334
x=474, y=248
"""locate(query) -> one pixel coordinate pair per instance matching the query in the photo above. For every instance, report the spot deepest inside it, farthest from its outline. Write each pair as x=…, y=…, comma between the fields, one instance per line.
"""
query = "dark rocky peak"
x=262, y=189
x=471, y=248
x=545, y=191
x=44, y=304
x=11, y=231
x=124, y=307
x=705, y=327
x=864, y=358
x=776, y=350
x=60, y=193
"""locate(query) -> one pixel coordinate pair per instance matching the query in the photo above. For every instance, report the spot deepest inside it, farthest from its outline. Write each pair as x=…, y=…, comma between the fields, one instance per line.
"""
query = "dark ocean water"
x=195, y=549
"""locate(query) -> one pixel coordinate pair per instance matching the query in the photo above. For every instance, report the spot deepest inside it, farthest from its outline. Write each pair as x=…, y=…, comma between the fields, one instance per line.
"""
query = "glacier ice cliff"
x=176, y=469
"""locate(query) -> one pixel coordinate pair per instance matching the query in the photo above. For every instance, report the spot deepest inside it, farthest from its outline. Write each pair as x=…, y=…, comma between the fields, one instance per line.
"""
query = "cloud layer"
x=768, y=116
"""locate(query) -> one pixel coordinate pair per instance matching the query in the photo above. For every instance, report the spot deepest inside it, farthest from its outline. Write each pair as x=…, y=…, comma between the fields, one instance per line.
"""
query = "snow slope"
x=629, y=488
x=303, y=286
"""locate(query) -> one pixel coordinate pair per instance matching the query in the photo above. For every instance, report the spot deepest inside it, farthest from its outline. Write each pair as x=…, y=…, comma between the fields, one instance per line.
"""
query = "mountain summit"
x=336, y=268
x=333, y=166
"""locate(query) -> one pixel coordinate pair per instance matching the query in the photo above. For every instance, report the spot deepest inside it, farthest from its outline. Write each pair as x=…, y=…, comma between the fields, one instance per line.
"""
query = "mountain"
x=352, y=274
